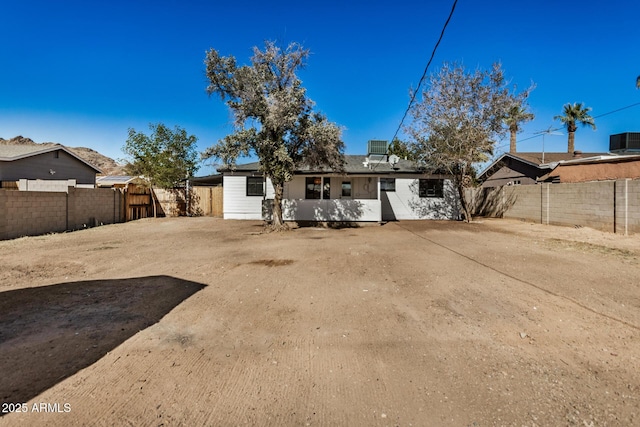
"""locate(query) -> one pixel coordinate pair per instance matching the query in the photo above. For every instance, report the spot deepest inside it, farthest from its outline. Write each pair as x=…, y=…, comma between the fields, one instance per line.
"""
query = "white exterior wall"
x=406, y=203
x=60, y=186
x=237, y=205
x=363, y=187
x=364, y=205
x=331, y=210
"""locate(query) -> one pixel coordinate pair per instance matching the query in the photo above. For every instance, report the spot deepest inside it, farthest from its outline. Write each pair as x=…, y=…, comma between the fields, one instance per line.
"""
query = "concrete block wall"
x=634, y=206
x=612, y=206
x=91, y=207
x=31, y=213
x=522, y=202
x=584, y=204
x=627, y=206
x=27, y=213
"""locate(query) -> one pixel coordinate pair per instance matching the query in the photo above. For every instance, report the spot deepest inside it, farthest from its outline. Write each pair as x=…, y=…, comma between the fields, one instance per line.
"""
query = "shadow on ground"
x=49, y=333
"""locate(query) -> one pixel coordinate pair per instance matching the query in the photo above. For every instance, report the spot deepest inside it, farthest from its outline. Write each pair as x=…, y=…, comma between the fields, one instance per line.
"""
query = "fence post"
x=615, y=207
x=548, y=185
x=66, y=225
x=626, y=206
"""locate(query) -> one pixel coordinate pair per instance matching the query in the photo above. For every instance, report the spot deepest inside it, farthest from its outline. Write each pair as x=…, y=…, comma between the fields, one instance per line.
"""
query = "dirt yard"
x=205, y=322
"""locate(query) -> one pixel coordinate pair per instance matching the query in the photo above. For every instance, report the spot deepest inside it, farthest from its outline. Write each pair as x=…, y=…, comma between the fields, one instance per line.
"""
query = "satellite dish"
x=393, y=159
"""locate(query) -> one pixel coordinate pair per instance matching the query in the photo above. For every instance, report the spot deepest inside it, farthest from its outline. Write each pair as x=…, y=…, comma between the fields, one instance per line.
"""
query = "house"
x=525, y=168
x=372, y=188
x=35, y=163
x=599, y=168
x=515, y=168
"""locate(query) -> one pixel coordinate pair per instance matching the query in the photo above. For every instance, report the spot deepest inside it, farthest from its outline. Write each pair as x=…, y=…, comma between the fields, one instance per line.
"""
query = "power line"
x=424, y=74
x=595, y=117
x=615, y=111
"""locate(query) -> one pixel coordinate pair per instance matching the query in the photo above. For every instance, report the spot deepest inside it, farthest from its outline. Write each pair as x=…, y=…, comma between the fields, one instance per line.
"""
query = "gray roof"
x=354, y=164
x=15, y=152
x=9, y=153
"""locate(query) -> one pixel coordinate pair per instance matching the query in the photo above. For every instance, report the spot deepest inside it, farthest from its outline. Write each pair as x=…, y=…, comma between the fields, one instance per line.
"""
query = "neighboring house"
x=601, y=168
x=53, y=163
x=528, y=168
x=372, y=188
x=525, y=168
x=115, y=181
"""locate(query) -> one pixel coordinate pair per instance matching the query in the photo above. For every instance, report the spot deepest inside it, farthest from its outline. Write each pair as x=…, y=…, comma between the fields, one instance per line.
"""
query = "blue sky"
x=81, y=73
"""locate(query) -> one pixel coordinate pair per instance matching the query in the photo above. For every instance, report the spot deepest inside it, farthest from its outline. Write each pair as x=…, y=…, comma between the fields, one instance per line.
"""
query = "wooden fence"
x=137, y=202
x=206, y=201
x=201, y=201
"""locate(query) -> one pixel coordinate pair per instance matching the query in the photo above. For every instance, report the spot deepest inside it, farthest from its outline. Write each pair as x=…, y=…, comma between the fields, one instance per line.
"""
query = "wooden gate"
x=206, y=201
x=137, y=202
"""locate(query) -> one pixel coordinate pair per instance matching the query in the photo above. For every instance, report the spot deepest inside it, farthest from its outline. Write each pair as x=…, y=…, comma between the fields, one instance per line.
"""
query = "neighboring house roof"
x=9, y=153
x=209, y=180
x=599, y=168
x=533, y=159
x=111, y=180
x=354, y=164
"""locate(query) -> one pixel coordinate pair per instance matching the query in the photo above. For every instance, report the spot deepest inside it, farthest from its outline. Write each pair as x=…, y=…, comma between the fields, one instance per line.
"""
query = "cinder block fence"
x=30, y=213
x=612, y=206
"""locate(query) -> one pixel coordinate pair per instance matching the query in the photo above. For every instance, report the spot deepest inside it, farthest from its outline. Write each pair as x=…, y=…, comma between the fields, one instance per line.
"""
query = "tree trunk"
x=512, y=140
x=465, y=205
x=571, y=146
x=277, y=223
x=463, y=200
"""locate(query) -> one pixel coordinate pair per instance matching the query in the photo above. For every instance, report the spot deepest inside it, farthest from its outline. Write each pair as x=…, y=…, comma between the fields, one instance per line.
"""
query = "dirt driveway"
x=200, y=321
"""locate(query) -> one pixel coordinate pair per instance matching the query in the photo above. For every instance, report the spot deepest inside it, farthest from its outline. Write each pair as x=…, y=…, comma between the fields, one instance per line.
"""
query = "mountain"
x=107, y=164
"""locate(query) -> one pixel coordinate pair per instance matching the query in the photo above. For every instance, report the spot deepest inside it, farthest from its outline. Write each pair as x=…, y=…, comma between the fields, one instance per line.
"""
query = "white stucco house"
x=372, y=188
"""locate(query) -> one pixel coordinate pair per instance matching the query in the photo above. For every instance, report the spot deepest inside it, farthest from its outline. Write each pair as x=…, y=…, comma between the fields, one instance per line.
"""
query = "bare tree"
x=458, y=121
x=274, y=118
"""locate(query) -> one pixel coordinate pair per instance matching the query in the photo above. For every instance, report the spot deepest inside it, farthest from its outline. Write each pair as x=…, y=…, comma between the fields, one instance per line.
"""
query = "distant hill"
x=107, y=164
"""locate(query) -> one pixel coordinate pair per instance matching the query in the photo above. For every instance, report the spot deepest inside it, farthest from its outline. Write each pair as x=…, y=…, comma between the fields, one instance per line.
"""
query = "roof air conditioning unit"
x=624, y=142
x=377, y=147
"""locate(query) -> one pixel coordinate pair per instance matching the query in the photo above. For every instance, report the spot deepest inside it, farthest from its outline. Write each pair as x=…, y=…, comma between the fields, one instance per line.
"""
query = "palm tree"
x=573, y=114
x=516, y=115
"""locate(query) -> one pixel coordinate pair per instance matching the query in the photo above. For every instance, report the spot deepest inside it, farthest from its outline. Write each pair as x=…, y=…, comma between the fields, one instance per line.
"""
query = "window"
x=255, y=186
x=313, y=188
x=326, y=188
x=431, y=188
x=387, y=184
x=56, y=154
x=346, y=188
